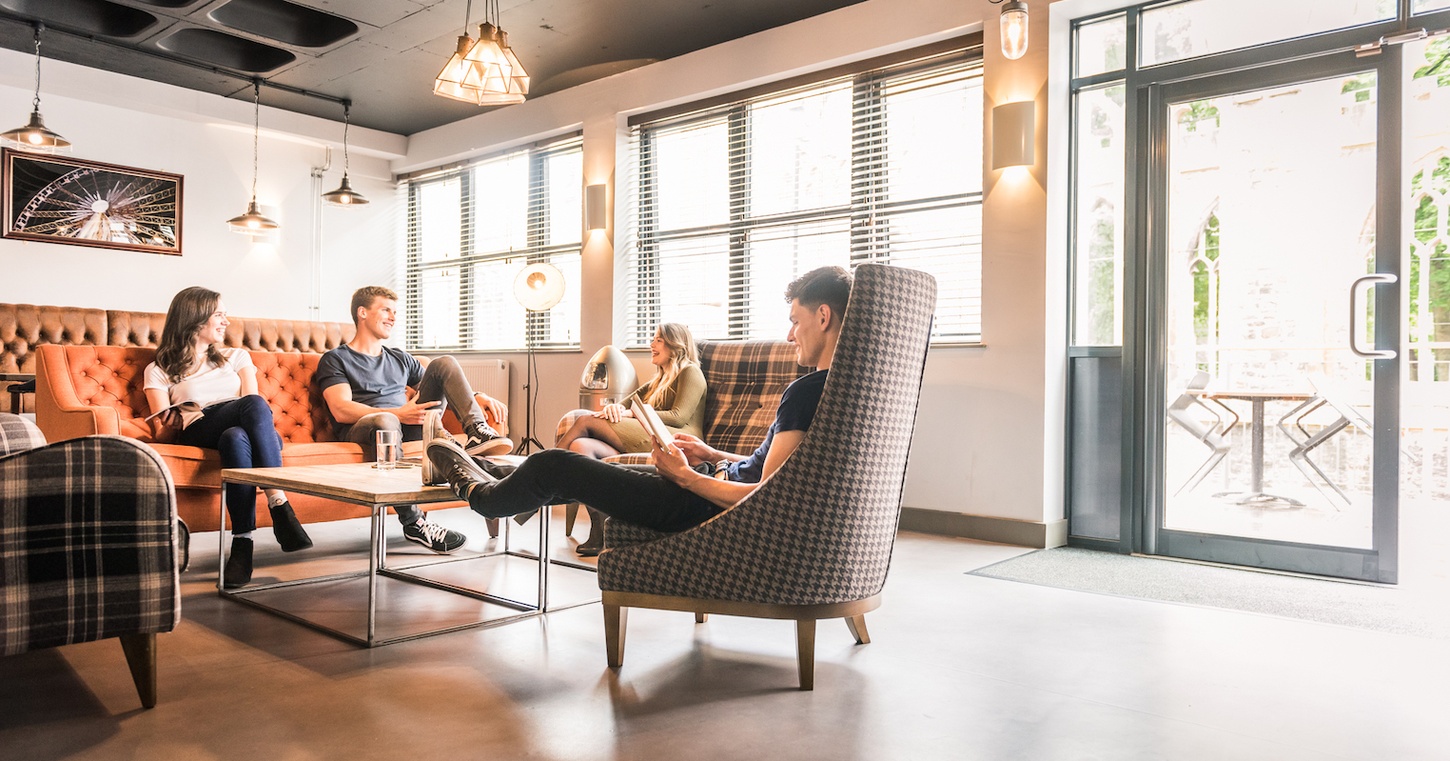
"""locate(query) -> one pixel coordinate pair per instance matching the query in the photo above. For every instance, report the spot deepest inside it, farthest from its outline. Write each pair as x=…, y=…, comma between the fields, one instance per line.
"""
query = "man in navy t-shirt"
x=680, y=493
x=365, y=385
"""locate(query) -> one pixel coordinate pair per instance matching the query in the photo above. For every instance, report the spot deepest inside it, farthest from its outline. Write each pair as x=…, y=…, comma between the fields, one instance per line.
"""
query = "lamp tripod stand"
x=538, y=287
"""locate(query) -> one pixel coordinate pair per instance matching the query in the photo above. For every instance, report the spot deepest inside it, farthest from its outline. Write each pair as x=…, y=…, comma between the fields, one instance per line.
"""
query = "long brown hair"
x=681, y=345
x=190, y=309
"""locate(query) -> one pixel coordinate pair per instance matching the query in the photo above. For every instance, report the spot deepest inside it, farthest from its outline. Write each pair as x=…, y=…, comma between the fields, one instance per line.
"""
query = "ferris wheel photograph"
x=64, y=200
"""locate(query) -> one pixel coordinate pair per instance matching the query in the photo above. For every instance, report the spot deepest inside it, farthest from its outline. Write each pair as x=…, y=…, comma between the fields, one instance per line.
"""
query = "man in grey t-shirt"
x=365, y=386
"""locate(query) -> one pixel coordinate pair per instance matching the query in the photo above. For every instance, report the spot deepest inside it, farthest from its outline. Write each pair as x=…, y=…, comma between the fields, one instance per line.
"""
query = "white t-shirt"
x=208, y=385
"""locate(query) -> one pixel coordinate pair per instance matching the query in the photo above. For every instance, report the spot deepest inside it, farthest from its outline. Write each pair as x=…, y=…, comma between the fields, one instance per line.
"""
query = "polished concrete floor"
x=960, y=667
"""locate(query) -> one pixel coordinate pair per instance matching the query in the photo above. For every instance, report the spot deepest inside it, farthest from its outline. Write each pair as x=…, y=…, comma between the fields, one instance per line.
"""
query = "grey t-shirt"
x=380, y=381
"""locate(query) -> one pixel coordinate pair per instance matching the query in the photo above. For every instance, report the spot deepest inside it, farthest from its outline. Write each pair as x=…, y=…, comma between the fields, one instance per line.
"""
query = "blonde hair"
x=681, y=345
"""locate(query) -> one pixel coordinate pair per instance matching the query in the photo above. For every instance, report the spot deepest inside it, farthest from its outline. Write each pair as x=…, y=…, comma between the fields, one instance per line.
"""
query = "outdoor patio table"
x=1256, y=400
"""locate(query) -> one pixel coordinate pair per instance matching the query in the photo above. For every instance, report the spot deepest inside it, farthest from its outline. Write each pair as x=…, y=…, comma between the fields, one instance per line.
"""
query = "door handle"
x=1378, y=277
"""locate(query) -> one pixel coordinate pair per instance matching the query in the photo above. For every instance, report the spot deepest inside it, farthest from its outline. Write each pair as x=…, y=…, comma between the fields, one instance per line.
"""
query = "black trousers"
x=634, y=496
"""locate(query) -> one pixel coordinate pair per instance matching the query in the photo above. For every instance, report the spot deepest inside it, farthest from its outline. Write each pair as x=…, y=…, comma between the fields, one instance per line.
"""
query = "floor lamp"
x=537, y=288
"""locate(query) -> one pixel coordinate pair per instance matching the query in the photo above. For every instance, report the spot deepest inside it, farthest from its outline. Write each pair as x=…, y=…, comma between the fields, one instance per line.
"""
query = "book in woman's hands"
x=653, y=425
x=181, y=414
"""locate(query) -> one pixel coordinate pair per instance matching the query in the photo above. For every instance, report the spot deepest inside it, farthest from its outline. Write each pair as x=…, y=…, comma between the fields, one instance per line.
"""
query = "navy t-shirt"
x=380, y=381
x=797, y=410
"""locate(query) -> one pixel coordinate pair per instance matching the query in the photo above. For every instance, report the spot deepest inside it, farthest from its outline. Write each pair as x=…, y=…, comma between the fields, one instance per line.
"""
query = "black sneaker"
x=433, y=536
x=463, y=473
x=450, y=465
x=484, y=441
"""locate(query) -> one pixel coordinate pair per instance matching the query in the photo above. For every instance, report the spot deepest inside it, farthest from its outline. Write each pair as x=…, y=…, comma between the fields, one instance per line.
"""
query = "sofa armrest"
x=58, y=410
x=91, y=539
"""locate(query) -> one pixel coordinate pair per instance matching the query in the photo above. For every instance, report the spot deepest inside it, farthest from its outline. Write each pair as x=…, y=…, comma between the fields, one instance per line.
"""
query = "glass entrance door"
x=1277, y=302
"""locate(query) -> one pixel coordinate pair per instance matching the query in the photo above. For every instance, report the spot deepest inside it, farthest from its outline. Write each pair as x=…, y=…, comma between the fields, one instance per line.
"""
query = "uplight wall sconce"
x=596, y=207
x=1013, y=134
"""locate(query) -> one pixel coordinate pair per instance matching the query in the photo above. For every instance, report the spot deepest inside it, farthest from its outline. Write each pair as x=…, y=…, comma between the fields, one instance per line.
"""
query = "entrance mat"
x=1381, y=608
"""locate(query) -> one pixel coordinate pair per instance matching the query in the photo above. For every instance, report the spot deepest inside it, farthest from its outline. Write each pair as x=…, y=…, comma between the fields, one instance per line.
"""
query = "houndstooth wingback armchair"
x=813, y=541
x=87, y=546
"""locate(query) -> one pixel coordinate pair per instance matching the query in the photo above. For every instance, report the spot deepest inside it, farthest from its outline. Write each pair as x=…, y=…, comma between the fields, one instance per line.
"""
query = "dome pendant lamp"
x=253, y=222
x=345, y=195
x=35, y=136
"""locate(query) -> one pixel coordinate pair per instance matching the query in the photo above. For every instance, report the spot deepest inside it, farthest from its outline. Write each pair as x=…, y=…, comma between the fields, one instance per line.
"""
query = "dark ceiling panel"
x=224, y=50
x=387, y=67
x=89, y=16
x=283, y=21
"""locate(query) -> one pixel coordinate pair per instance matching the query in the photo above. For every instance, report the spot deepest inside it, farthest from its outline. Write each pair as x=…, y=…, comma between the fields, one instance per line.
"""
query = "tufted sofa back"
x=26, y=326
x=112, y=377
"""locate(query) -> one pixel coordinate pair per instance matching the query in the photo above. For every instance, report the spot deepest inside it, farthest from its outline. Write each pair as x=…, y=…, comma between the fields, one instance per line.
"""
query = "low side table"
x=25, y=384
x=364, y=484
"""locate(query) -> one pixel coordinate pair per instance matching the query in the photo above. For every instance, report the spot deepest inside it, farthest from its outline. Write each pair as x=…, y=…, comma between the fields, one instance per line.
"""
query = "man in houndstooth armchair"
x=812, y=538
x=693, y=482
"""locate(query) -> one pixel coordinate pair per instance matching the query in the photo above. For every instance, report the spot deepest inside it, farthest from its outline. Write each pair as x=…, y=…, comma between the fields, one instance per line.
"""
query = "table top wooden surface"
x=1267, y=396
x=357, y=482
x=20, y=377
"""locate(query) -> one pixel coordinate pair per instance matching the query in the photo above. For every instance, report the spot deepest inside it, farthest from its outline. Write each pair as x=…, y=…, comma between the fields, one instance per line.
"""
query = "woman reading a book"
x=677, y=393
x=205, y=395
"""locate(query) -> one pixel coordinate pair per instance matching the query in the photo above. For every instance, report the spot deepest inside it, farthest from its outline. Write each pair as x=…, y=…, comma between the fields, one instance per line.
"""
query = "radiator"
x=491, y=376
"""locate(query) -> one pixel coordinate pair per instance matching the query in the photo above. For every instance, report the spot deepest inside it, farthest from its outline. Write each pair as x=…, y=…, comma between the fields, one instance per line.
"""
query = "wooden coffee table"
x=363, y=484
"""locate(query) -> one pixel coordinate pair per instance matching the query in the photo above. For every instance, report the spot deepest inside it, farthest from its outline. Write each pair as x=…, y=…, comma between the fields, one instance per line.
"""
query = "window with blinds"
x=472, y=228
x=729, y=203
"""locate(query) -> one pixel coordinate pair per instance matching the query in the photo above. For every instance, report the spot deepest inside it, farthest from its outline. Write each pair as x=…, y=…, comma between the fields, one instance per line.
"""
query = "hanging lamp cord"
x=467, y=14
x=256, y=128
x=35, y=104
x=346, y=120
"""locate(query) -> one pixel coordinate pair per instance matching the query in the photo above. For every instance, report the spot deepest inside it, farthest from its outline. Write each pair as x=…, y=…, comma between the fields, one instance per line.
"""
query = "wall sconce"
x=1013, y=134
x=596, y=208
x=1014, y=27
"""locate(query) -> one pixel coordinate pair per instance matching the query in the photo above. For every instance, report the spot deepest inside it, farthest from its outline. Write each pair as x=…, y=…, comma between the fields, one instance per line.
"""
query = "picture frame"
x=58, y=199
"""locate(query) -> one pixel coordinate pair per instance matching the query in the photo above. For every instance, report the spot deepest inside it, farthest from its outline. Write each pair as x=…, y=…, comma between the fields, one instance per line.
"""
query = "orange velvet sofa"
x=86, y=389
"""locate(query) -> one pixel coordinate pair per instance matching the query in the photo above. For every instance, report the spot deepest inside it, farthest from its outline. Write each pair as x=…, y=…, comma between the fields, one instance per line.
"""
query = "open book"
x=181, y=414
x=653, y=425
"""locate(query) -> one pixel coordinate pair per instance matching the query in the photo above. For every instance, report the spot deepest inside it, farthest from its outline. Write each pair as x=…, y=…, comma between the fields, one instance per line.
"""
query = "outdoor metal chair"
x=1187, y=411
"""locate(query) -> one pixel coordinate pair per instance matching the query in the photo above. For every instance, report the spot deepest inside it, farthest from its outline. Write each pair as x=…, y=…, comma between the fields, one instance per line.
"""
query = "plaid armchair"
x=744, y=381
x=88, y=546
x=814, y=540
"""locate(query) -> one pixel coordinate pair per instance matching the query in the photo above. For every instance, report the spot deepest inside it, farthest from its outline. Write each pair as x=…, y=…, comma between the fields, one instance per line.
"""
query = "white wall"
x=989, y=431
x=207, y=139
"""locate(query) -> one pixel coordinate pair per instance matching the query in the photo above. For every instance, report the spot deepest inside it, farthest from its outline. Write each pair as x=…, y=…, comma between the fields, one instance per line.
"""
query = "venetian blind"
x=728, y=204
x=473, y=227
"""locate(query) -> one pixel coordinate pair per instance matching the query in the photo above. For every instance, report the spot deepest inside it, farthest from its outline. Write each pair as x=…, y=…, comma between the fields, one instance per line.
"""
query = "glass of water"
x=389, y=449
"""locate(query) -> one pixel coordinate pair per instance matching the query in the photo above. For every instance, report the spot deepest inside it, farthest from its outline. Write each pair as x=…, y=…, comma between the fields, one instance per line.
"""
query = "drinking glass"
x=388, y=450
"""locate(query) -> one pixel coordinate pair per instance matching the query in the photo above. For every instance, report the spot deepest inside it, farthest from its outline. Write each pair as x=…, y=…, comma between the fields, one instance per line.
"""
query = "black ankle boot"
x=592, y=546
x=288, y=529
x=238, y=571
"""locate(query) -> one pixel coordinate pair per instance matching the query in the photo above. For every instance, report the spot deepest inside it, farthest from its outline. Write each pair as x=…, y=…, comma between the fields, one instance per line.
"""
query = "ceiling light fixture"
x=345, y=195
x=1014, y=27
x=485, y=72
x=34, y=136
x=253, y=221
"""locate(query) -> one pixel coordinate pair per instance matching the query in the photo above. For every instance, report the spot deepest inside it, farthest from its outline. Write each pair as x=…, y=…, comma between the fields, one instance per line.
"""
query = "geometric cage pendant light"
x=253, y=221
x=486, y=71
x=345, y=195
x=34, y=136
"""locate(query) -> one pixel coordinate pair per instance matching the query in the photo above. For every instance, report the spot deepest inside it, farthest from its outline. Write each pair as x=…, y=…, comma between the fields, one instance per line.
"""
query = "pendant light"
x=253, y=221
x=34, y=136
x=1014, y=28
x=345, y=195
x=485, y=72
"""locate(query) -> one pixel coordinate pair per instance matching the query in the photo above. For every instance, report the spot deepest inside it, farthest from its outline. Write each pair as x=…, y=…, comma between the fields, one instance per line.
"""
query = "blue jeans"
x=242, y=431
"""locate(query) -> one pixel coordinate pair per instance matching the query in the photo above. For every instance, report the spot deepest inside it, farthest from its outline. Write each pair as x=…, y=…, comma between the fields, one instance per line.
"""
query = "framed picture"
x=57, y=199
